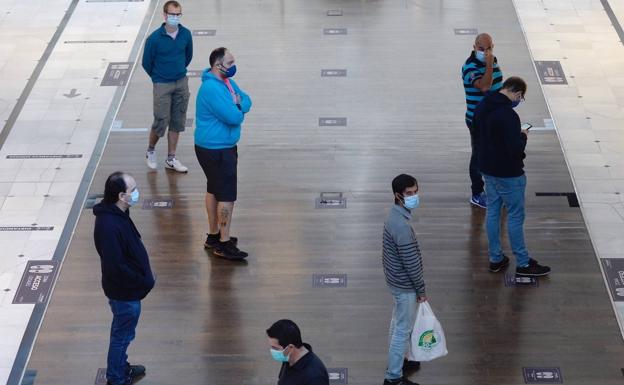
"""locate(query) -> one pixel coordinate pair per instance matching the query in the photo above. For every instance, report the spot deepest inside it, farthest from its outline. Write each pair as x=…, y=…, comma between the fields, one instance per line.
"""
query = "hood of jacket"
x=494, y=100
x=104, y=208
x=208, y=75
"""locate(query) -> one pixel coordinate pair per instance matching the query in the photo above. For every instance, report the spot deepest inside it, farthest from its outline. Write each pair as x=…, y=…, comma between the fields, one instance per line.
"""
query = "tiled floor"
x=42, y=191
x=588, y=112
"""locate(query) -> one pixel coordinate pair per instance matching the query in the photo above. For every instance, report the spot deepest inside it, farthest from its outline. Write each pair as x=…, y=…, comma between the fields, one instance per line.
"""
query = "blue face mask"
x=229, y=72
x=279, y=356
x=480, y=55
x=411, y=202
x=173, y=20
x=134, y=197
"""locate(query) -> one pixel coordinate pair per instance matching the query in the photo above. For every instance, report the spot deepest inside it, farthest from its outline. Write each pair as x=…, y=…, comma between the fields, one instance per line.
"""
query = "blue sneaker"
x=479, y=200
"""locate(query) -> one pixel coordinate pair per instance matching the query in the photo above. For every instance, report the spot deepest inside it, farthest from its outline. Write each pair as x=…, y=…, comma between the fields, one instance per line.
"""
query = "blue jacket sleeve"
x=148, y=57
x=245, y=99
x=221, y=105
x=189, y=50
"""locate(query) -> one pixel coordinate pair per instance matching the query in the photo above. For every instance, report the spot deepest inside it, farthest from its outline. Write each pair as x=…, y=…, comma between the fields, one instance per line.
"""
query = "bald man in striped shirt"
x=480, y=74
x=402, y=264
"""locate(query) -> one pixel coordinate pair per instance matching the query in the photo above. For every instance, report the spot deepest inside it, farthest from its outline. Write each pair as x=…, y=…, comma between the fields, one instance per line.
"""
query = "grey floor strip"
x=8, y=126
x=36, y=319
x=614, y=20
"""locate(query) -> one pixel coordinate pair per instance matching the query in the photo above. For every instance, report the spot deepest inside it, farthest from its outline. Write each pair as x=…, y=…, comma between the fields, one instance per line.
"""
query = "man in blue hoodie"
x=220, y=110
x=501, y=155
x=126, y=274
x=168, y=51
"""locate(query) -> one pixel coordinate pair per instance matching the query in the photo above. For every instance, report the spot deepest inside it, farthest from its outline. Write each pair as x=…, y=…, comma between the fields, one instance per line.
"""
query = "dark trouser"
x=125, y=318
x=475, y=174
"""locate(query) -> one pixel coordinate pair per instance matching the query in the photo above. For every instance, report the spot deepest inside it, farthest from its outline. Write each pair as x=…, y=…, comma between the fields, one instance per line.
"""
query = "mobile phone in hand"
x=526, y=126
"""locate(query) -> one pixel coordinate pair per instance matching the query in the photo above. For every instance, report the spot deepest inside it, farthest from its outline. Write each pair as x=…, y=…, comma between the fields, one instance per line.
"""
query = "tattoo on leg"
x=225, y=214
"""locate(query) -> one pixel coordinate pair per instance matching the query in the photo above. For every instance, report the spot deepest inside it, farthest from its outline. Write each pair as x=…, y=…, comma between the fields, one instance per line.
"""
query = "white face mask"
x=480, y=55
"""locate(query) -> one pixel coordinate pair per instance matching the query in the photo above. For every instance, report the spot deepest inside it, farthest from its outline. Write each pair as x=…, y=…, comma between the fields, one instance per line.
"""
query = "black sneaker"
x=136, y=371
x=498, y=266
x=400, y=381
x=533, y=270
x=212, y=240
x=411, y=366
x=228, y=250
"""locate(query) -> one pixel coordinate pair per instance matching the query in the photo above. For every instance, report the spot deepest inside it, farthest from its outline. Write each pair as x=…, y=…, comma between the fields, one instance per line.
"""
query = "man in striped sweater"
x=402, y=264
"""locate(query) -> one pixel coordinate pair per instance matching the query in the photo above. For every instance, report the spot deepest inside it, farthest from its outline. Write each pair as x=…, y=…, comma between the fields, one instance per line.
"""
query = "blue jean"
x=508, y=192
x=403, y=318
x=125, y=318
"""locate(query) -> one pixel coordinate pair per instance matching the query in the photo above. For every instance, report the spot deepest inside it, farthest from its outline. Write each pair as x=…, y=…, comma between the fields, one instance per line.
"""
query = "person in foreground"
x=126, y=273
x=402, y=264
x=300, y=366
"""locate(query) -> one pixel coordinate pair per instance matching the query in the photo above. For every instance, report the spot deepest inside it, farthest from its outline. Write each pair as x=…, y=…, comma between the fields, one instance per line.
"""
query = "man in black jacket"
x=126, y=274
x=501, y=154
x=300, y=366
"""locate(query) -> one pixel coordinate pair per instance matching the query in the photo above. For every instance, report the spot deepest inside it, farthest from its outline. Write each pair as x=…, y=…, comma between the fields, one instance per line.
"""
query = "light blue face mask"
x=279, y=356
x=134, y=197
x=173, y=20
x=411, y=202
x=480, y=55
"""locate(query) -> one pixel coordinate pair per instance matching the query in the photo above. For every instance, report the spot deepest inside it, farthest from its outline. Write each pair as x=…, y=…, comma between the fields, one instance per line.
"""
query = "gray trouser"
x=170, y=104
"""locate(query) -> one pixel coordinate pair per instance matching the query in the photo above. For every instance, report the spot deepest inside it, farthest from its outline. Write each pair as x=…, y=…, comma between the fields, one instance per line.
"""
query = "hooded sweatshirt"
x=501, y=142
x=218, y=118
x=126, y=272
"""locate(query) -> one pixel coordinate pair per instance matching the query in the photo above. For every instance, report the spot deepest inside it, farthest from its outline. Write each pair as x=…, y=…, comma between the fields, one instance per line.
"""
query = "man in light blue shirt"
x=220, y=110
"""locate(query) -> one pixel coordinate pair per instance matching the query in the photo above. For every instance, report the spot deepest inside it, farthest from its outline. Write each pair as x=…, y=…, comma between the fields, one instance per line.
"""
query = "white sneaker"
x=175, y=164
x=150, y=159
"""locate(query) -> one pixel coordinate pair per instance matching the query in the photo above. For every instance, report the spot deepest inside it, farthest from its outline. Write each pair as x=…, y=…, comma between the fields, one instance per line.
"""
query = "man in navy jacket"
x=501, y=161
x=126, y=274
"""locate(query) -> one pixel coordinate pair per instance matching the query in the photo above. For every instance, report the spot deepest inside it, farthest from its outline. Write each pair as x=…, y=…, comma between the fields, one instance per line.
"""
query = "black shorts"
x=220, y=169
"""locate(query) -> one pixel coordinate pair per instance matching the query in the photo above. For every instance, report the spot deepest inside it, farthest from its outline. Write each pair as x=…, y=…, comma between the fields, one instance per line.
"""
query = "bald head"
x=483, y=42
x=483, y=38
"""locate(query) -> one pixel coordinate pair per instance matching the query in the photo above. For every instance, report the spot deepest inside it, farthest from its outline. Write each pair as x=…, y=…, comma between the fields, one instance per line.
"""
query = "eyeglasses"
x=174, y=14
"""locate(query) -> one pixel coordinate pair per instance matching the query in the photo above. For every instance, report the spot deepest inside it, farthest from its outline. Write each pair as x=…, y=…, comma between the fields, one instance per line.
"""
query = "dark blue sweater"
x=126, y=272
x=165, y=59
x=501, y=143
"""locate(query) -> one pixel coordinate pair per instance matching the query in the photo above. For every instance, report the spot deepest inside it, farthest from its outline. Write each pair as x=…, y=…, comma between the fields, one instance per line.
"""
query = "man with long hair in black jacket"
x=126, y=274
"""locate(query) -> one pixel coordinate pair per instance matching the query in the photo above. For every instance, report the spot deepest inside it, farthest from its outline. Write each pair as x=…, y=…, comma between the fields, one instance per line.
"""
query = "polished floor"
x=204, y=322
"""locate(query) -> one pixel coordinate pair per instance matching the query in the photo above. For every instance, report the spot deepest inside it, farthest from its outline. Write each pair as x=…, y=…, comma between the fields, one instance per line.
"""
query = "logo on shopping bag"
x=428, y=340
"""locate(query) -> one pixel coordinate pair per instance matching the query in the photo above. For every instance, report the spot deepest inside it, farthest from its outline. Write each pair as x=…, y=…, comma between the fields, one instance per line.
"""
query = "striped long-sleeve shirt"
x=402, y=262
x=473, y=70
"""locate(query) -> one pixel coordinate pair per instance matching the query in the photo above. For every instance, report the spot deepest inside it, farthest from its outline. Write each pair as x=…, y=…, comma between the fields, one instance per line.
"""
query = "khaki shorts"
x=170, y=105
